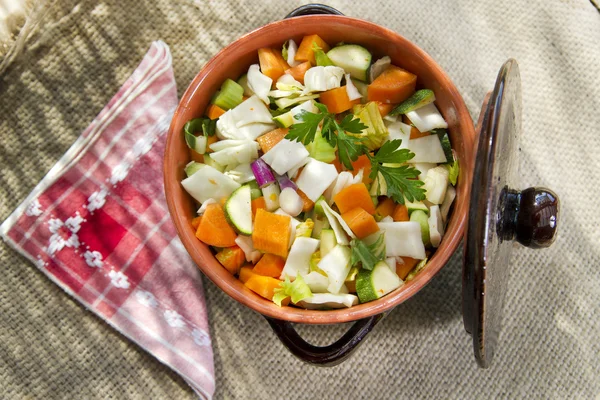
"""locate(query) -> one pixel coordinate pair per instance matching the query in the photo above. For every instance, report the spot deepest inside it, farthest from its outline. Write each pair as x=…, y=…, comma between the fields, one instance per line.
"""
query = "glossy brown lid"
x=499, y=214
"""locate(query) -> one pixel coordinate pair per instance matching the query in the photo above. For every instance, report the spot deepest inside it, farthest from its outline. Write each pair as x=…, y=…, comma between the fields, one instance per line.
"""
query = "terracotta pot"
x=233, y=61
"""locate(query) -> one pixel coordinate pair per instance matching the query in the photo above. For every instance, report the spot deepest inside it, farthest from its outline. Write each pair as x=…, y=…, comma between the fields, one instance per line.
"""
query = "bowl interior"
x=232, y=62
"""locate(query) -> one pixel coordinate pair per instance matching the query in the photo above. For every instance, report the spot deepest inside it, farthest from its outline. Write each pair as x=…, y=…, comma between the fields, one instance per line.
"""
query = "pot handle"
x=324, y=356
x=310, y=9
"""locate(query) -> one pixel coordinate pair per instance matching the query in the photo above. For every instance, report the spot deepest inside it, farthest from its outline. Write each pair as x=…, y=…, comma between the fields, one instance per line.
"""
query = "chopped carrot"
x=196, y=221
x=364, y=163
x=305, y=50
x=272, y=63
x=360, y=222
x=400, y=213
x=385, y=207
x=271, y=233
x=213, y=111
x=385, y=109
x=356, y=195
x=299, y=70
x=263, y=285
x=414, y=132
x=270, y=265
x=402, y=270
x=307, y=204
x=394, y=85
x=232, y=258
x=211, y=139
x=245, y=273
x=257, y=203
x=214, y=229
x=337, y=100
x=270, y=139
x=195, y=156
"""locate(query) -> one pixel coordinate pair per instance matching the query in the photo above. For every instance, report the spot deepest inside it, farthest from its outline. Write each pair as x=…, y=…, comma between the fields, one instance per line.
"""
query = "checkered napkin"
x=98, y=226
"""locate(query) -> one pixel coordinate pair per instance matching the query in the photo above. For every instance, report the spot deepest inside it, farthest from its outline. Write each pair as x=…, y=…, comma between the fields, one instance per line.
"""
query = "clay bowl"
x=233, y=61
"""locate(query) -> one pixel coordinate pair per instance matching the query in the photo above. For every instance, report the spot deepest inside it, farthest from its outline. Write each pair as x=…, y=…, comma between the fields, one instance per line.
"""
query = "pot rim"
x=232, y=285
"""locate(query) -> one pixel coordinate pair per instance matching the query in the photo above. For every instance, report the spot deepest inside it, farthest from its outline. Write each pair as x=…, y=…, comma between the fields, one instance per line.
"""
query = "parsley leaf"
x=349, y=147
x=305, y=132
x=400, y=179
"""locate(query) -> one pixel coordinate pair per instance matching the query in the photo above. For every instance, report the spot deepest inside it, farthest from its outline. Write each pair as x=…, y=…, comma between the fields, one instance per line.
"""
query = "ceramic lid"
x=499, y=213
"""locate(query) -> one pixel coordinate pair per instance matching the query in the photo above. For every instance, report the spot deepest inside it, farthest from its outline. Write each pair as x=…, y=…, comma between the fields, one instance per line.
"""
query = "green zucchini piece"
x=419, y=99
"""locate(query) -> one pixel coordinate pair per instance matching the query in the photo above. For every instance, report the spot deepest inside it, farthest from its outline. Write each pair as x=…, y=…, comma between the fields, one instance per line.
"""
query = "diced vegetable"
x=238, y=210
x=421, y=218
x=196, y=221
x=263, y=174
x=419, y=99
x=248, y=121
x=315, y=178
x=417, y=205
x=285, y=182
x=323, y=78
x=351, y=90
x=304, y=229
x=385, y=109
x=242, y=173
x=245, y=273
x=436, y=183
x=306, y=49
x=229, y=96
x=376, y=133
x=328, y=241
x=209, y=183
x=298, y=261
x=447, y=203
x=290, y=48
x=436, y=226
x=403, y=268
x=192, y=167
x=320, y=149
x=378, y=67
x=363, y=163
x=328, y=300
x=427, y=118
x=269, y=265
x=245, y=243
x=258, y=203
x=418, y=268
x=336, y=265
x=255, y=191
x=285, y=155
x=234, y=152
x=243, y=82
x=271, y=233
x=214, y=229
x=272, y=63
x=196, y=143
x=394, y=85
x=374, y=284
x=271, y=195
x=385, y=208
x=403, y=239
x=208, y=160
x=337, y=100
x=290, y=202
x=264, y=286
x=400, y=213
x=366, y=253
x=339, y=226
x=297, y=291
x=353, y=58
x=356, y=195
x=423, y=168
x=232, y=258
x=270, y=139
x=299, y=70
x=293, y=224
x=307, y=204
x=317, y=282
x=360, y=222
x=213, y=111
x=427, y=149
x=259, y=83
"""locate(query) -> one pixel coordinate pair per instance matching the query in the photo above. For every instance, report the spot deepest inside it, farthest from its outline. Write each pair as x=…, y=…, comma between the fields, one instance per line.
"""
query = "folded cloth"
x=98, y=226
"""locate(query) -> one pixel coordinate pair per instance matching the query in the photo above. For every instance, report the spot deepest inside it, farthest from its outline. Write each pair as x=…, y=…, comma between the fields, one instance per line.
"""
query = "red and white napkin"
x=98, y=226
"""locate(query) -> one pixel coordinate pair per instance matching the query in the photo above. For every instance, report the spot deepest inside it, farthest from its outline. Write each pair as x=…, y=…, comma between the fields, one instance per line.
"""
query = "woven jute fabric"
x=51, y=347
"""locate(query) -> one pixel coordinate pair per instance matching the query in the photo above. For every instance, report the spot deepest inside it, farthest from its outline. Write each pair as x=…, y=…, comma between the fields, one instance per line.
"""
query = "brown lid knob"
x=530, y=216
